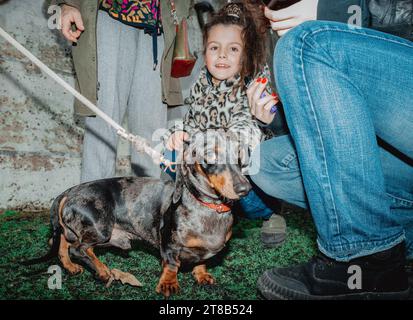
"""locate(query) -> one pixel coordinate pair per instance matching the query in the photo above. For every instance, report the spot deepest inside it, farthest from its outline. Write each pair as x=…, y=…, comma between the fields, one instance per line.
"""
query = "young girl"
x=234, y=53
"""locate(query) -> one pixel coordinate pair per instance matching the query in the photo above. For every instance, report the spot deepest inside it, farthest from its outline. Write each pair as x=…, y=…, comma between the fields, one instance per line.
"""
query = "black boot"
x=378, y=276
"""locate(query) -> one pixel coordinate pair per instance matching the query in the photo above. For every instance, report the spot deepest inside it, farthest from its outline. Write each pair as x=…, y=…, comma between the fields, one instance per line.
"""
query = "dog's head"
x=209, y=167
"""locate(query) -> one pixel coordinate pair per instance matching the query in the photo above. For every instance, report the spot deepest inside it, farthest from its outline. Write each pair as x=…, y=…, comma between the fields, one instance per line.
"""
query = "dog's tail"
x=55, y=217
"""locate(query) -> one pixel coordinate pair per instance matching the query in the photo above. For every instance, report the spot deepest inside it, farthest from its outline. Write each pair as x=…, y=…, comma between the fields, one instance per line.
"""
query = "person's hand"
x=261, y=107
x=285, y=19
x=176, y=140
x=71, y=15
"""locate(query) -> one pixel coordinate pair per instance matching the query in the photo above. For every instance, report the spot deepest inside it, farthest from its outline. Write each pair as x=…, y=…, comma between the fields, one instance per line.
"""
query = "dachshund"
x=189, y=220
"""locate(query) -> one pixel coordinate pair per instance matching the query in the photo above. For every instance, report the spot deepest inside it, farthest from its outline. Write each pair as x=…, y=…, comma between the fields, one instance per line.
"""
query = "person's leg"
x=257, y=205
x=146, y=112
x=398, y=176
x=253, y=206
x=279, y=176
x=115, y=51
x=340, y=88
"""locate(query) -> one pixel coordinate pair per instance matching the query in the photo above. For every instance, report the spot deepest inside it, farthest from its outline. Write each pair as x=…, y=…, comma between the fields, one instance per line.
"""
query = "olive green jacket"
x=85, y=59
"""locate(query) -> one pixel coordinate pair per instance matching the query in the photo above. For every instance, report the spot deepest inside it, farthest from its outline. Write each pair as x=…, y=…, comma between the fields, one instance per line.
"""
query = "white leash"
x=139, y=143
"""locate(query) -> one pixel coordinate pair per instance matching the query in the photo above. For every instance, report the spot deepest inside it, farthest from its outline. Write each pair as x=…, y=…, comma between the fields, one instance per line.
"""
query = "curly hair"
x=249, y=15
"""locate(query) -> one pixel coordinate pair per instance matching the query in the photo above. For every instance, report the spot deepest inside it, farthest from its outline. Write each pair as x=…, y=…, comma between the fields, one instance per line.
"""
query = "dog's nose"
x=242, y=189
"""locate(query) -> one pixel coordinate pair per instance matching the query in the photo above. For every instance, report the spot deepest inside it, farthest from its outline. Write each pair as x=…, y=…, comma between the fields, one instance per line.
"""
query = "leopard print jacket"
x=223, y=106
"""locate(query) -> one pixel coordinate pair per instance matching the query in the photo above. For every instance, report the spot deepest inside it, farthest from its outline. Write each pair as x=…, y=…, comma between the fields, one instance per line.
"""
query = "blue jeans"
x=255, y=205
x=343, y=88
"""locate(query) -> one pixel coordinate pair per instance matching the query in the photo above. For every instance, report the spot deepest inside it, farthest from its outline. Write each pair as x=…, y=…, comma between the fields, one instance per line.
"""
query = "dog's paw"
x=74, y=269
x=204, y=278
x=167, y=288
x=104, y=275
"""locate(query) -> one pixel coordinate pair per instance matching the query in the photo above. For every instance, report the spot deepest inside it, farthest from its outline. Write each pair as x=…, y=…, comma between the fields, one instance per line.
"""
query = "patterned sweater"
x=136, y=13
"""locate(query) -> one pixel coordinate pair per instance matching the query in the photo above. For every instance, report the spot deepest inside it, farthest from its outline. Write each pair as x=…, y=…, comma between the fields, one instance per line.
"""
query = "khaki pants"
x=127, y=85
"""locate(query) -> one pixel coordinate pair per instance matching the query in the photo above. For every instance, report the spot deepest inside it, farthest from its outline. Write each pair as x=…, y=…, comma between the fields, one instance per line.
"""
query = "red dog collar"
x=220, y=208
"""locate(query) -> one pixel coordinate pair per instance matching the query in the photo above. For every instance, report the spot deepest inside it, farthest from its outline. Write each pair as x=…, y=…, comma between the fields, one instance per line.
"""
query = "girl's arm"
x=188, y=124
x=245, y=130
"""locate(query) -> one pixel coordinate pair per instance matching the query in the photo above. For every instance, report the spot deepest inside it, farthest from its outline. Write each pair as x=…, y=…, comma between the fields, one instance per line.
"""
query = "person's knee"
x=294, y=39
x=288, y=49
x=276, y=165
x=276, y=155
x=307, y=37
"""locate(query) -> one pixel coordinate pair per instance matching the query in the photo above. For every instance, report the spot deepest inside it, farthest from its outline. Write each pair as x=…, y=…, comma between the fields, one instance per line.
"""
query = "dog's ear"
x=179, y=184
x=180, y=172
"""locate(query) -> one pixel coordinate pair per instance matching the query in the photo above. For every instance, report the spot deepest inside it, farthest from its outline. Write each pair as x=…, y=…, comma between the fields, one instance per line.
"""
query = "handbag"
x=182, y=60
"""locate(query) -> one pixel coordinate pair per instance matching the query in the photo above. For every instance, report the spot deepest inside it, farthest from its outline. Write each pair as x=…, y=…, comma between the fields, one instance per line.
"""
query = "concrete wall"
x=40, y=139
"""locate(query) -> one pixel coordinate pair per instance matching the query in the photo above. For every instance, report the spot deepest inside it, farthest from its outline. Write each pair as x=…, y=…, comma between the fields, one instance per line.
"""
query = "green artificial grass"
x=236, y=269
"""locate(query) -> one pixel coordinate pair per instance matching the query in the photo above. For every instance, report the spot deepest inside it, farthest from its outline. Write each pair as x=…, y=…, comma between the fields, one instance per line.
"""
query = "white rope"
x=139, y=143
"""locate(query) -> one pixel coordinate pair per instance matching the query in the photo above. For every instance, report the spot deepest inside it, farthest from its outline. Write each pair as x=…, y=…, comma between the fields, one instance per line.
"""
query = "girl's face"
x=224, y=50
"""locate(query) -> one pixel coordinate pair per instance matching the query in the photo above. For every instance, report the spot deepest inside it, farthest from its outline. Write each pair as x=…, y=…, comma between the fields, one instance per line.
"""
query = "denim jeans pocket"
x=401, y=203
x=290, y=161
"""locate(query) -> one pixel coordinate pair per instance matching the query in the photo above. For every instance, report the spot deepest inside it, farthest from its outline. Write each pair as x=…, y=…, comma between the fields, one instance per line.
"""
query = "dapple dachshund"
x=189, y=220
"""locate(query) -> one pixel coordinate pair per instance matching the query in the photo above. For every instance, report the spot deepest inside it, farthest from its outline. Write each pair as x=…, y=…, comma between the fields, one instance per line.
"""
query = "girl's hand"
x=71, y=15
x=176, y=140
x=261, y=107
x=285, y=19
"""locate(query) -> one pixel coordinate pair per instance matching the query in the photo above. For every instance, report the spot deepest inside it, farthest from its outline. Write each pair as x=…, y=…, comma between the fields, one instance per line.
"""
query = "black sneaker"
x=378, y=276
